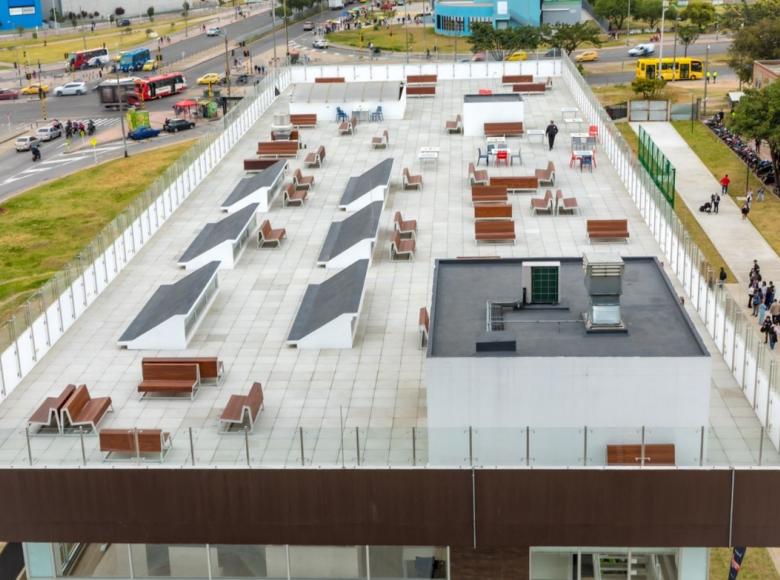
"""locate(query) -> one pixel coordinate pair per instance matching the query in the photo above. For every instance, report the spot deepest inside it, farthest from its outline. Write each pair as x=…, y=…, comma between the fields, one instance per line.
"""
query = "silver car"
x=48, y=133
x=74, y=88
x=24, y=143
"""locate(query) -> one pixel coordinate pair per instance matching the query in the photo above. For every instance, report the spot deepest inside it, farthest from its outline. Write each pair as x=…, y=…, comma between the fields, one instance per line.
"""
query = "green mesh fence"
x=657, y=165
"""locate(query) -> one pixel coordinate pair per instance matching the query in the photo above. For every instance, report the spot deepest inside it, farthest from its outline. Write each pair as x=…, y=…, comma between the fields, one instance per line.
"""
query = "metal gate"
x=648, y=111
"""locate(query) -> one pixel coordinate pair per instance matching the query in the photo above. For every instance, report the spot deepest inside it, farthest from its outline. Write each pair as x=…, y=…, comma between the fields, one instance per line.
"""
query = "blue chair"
x=481, y=155
x=586, y=161
x=341, y=115
x=377, y=115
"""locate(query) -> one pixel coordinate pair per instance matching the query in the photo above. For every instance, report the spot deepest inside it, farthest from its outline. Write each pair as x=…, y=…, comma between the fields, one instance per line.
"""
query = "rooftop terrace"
x=326, y=396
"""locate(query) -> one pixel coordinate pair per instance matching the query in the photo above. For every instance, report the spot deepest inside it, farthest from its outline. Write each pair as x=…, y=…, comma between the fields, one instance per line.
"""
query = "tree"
x=650, y=89
x=737, y=16
x=150, y=13
x=687, y=34
x=700, y=14
x=119, y=11
x=569, y=37
x=759, y=41
x=185, y=8
x=757, y=117
x=649, y=11
x=615, y=11
x=501, y=43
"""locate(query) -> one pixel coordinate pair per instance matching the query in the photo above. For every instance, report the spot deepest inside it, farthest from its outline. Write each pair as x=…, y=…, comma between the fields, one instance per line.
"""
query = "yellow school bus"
x=681, y=68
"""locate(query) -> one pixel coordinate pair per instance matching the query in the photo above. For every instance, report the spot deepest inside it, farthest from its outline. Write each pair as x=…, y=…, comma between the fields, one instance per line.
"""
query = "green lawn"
x=757, y=565
x=720, y=160
x=394, y=39
x=46, y=227
x=686, y=217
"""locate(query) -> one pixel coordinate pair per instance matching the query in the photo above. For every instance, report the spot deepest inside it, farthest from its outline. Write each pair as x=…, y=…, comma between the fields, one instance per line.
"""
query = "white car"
x=641, y=50
x=320, y=43
x=75, y=88
x=24, y=143
x=214, y=31
x=48, y=133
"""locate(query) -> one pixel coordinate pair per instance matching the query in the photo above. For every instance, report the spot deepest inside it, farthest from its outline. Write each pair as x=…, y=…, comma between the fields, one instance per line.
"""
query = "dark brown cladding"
x=390, y=507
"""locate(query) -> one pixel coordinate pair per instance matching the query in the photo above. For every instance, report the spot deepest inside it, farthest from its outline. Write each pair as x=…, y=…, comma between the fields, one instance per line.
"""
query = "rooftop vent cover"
x=604, y=282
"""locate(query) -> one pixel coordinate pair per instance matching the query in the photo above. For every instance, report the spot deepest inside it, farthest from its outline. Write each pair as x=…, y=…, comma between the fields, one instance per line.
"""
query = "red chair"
x=593, y=131
x=485, y=92
x=502, y=155
x=574, y=159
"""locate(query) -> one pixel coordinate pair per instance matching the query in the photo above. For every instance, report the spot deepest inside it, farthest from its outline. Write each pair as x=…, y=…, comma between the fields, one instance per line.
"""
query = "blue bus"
x=134, y=59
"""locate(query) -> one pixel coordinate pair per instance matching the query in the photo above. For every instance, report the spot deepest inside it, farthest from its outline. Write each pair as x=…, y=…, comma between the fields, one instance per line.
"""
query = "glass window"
x=39, y=560
x=169, y=561
x=696, y=66
x=544, y=285
x=87, y=560
x=400, y=562
x=267, y=562
x=325, y=562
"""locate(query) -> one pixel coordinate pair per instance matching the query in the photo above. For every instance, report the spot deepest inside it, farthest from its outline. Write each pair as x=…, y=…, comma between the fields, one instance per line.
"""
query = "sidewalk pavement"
x=736, y=239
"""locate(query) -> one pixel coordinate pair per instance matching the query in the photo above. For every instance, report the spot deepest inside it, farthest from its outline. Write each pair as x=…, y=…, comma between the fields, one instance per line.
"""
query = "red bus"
x=82, y=59
x=160, y=86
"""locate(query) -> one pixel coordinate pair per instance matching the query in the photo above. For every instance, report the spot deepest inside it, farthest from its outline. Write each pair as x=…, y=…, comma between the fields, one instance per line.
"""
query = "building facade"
x=765, y=72
x=456, y=17
x=16, y=14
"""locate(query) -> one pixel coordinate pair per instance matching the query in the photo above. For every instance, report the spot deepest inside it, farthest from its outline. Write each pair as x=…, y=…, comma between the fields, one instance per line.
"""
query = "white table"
x=574, y=123
x=535, y=133
x=429, y=154
x=568, y=112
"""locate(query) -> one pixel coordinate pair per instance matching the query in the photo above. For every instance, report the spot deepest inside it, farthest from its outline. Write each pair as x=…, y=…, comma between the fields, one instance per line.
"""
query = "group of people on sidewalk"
x=713, y=204
x=764, y=305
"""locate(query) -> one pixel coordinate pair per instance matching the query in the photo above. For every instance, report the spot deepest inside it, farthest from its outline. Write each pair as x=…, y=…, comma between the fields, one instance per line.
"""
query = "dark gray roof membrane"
x=169, y=300
x=495, y=98
x=214, y=234
x=346, y=233
x=254, y=181
x=324, y=302
x=359, y=185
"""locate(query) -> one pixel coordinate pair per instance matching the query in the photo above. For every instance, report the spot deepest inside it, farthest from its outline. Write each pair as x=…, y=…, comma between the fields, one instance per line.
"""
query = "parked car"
x=320, y=43
x=214, y=31
x=308, y=25
x=242, y=79
x=143, y=133
x=8, y=94
x=24, y=143
x=587, y=56
x=48, y=133
x=641, y=50
x=176, y=125
x=553, y=53
x=517, y=55
x=210, y=79
x=123, y=22
x=74, y=88
x=150, y=65
x=34, y=88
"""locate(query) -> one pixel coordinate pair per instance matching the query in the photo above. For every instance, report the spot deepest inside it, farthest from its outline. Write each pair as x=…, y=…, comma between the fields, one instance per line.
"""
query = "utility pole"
x=628, y=24
x=273, y=30
x=227, y=65
x=706, y=79
x=659, y=72
x=120, y=95
x=674, y=54
x=41, y=93
x=406, y=29
x=286, y=33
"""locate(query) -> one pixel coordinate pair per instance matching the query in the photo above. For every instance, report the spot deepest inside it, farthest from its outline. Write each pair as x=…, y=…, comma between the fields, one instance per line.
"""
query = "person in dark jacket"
x=551, y=132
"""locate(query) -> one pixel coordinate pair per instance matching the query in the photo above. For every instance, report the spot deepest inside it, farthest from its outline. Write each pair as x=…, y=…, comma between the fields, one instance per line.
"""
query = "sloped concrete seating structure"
x=367, y=187
x=173, y=313
x=352, y=238
x=260, y=188
x=223, y=241
x=329, y=312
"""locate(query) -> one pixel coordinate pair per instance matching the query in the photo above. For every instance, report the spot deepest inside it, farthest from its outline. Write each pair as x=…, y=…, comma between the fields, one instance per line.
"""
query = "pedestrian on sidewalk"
x=755, y=271
x=551, y=131
x=750, y=292
x=749, y=197
x=714, y=77
x=766, y=327
x=769, y=296
x=745, y=210
x=715, y=202
x=773, y=332
x=724, y=184
x=761, y=194
x=774, y=310
x=708, y=77
x=762, y=315
x=756, y=302
x=722, y=277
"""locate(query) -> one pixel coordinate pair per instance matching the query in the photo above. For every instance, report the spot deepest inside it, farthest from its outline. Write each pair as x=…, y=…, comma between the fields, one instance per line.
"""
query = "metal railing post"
x=29, y=449
x=246, y=445
x=585, y=445
x=83, y=453
x=414, y=446
x=192, y=447
x=300, y=433
x=642, y=449
x=357, y=444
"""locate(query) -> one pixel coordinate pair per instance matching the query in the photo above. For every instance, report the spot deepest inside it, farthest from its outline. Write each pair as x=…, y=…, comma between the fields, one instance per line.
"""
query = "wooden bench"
x=488, y=194
x=565, y=204
x=529, y=88
x=285, y=135
x=655, y=454
x=302, y=181
x=424, y=323
x=503, y=129
x=210, y=368
x=498, y=211
x=607, y=229
x=346, y=128
x=258, y=164
x=382, y=141
x=267, y=235
x=478, y=176
x=516, y=183
x=402, y=247
x=47, y=415
x=315, y=158
x=412, y=181
x=546, y=176
x=513, y=79
x=81, y=410
x=293, y=196
x=421, y=91
x=277, y=149
x=329, y=80
x=545, y=204
x=169, y=380
x=303, y=120
x=404, y=227
x=495, y=231
x=421, y=79
x=135, y=442
x=455, y=126
x=242, y=410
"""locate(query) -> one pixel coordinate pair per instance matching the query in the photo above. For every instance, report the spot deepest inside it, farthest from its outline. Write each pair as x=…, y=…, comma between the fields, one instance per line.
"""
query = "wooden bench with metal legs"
x=135, y=443
x=242, y=410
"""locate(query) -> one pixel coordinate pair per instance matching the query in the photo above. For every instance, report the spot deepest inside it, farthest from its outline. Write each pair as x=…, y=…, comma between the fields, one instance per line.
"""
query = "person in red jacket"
x=724, y=184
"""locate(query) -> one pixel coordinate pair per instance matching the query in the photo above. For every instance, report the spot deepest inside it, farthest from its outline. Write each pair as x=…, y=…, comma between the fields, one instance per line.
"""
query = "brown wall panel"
x=339, y=507
x=603, y=508
x=489, y=563
x=756, y=508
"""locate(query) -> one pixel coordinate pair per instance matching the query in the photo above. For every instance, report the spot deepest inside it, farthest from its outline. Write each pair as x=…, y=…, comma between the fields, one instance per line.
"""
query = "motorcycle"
x=91, y=127
x=36, y=153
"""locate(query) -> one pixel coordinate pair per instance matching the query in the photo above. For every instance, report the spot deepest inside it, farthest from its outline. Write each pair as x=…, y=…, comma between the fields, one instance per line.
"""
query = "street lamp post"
x=119, y=95
x=273, y=30
x=664, y=6
x=406, y=29
x=286, y=34
x=706, y=72
x=227, y=65
x=674, y=54
x=628, y=24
